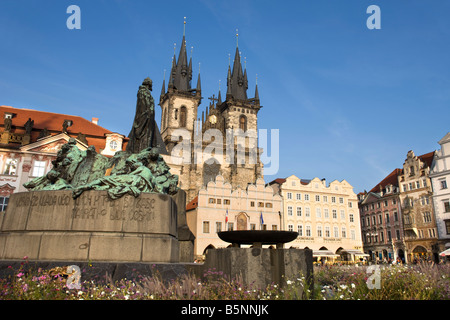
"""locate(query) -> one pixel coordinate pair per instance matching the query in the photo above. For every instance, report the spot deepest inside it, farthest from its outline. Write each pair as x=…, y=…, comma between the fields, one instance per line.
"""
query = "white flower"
x=289, y=282
x=80, y=293
x=127, y=297
x=353, y=285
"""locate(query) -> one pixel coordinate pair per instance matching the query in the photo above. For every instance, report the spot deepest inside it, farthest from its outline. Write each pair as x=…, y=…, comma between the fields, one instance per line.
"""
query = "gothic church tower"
x=179, y=106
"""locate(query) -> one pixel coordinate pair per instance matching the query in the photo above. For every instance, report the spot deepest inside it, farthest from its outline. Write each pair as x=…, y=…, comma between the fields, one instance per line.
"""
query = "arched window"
x=183, y=116
x=243, y=123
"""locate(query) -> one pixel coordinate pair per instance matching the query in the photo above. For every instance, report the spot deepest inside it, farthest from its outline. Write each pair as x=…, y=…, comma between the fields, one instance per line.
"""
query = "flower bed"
x=423, y=282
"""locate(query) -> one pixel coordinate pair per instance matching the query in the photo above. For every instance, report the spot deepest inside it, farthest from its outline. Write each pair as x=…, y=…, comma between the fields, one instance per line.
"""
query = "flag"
x=226, y=216
x=261, y=219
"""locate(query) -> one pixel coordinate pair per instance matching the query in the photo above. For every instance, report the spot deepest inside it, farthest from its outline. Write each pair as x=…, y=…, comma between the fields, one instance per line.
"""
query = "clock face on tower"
x=213, y=119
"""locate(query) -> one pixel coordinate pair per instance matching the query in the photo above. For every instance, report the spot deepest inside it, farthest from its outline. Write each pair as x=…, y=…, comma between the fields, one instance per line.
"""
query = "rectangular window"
x=327, y=232
x=298, y=196
x=350, y=216
x=344, y=232
x=230, y=226
x=336, y=232
x=417, y=184
x=317, y=198
x=252, y=203
x=260, y=204
x=308, y=231
x=353, y=234
x=447, y=226
x=290, y=227
x=289, y=211
x=212, y=200
x=389, y=235
x=326, y=214
x=446, y=205
x=274, y=227
x=300, y=230
x=387, y=217
x=318, y=213
x=289, y=195
x=252, y=226
x=226, y=201
x=325, y=198
x=307, y=197
x=218, y=226
x=11, y=166
x=395, y=216
x=219, y=201
x=38, y=168
x=341, y=200
x=342, y=215
x=319, y=231
x=307, y=212
x=205, y=226
x=333, y=199
x=334, y=212
x=269, y=205
x=443, y=184
x=3, y=203
x=299, y=211
x=397, y=234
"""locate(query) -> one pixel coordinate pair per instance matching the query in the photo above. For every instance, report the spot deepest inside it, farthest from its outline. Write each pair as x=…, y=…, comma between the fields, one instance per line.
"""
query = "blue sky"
x=349, y=102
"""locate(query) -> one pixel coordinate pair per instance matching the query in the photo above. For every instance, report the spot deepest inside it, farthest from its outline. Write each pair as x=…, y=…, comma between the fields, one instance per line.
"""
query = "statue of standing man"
x=144, y=133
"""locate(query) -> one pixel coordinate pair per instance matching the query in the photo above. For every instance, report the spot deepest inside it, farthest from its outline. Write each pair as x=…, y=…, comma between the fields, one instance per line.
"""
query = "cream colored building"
x=326, y=217
x=218, y=207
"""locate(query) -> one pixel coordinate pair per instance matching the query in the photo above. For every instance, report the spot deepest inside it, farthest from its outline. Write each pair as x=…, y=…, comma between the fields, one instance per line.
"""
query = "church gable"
x=51, y=144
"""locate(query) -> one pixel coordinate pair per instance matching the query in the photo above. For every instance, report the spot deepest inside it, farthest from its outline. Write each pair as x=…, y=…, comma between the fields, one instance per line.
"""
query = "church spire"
x=256, y=91
x=199, y=85
x=237, y=80
x=181, y=70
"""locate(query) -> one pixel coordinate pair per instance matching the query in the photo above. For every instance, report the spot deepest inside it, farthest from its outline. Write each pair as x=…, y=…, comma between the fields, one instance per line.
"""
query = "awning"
x=324, y=253
x=355, y=252
x=445, y=253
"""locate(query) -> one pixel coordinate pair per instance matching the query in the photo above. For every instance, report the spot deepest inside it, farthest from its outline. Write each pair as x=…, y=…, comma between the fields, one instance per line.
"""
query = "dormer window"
x=113, y=145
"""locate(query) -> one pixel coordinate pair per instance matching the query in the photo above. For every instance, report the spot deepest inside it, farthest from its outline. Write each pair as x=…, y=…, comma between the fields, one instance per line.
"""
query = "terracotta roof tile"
x=95, y=134
x=193, y=204
x=392, y=178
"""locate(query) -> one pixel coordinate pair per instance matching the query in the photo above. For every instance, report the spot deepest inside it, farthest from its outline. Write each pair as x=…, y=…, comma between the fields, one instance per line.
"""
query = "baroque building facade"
x=325, y=217
x=440, y=178
x=30, y=140
x=223, y=141
x=419, y=222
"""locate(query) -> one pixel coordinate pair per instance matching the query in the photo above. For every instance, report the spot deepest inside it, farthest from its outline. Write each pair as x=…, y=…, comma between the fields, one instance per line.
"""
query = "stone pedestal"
x=52, y=226
x=257, y=266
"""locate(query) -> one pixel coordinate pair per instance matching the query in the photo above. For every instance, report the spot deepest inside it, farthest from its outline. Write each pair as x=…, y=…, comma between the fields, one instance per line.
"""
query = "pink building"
x=381, y=220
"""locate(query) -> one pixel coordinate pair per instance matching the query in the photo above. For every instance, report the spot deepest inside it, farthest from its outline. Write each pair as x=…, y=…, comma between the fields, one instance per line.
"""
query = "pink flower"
x=20, y=274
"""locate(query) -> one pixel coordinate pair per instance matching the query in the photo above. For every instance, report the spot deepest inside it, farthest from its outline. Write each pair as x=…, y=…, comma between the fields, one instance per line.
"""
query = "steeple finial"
x=184, y=27
x=237, y=38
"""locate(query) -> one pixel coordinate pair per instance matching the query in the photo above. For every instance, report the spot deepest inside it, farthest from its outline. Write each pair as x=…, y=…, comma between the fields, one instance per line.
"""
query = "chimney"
x=95, y=120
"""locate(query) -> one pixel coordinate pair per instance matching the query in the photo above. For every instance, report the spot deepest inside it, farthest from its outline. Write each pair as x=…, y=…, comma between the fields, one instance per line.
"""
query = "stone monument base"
x=258, y=267
x=52, y=226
